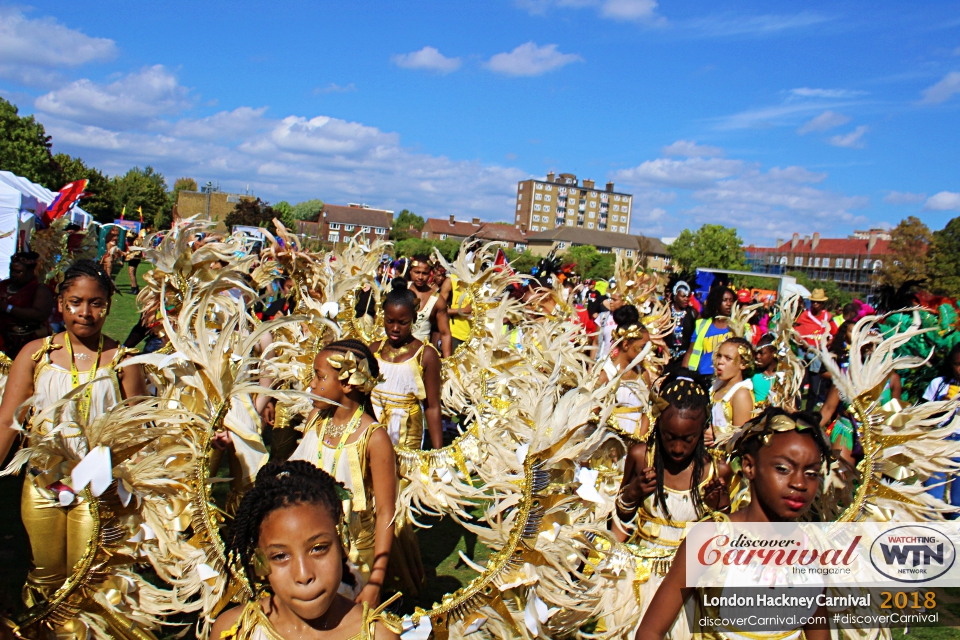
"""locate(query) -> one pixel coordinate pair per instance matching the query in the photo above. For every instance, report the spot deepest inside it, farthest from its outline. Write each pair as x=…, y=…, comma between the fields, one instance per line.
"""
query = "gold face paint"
x=72, y=310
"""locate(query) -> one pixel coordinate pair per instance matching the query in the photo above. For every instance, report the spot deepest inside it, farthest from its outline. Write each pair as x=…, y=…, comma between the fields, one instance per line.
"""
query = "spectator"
x=25, y=304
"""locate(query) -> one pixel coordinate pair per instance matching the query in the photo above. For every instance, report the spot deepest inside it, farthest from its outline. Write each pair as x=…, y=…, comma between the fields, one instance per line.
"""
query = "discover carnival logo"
x=912, y=553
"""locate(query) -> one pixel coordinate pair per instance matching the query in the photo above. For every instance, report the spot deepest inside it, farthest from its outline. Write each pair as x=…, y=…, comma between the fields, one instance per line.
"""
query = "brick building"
x=854, y=262
x=560, y=201
x=338, y=223
x=453, y=229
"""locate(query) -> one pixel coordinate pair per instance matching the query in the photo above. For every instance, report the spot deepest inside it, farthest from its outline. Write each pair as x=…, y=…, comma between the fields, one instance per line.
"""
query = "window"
x=616, y=198
x=333, y=237
x=539, y=196
x=616, y=207
x=838, y=263
x=348, y=227
x=443, y=236
x=798, y=261
x=573, y=192
x=521, y=186
x=783, y=260
x=562, y=191
x=589, y=225
x=518, y=206
x=366, y=229
x=629, y=253
x=546, y=207
x=380, y=231
x=547, y=198
x=593, y=204
x=855, y=263
x=549, y=187
x=520, y=247
x=603, y=197
x=561, y=245
x=536, y=207
x=592, y=215
x=334, y=227
x=539, y=187
x=816, y=262
x=536, y=218
x=877, y=265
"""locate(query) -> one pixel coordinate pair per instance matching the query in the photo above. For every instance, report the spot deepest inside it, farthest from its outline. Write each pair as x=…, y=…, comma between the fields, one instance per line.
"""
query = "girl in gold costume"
x=409, y=394
x=632, y=393
x=732, y=396
x=782, y=458
x=289, y=539
x=57, y=519
x=343, y=438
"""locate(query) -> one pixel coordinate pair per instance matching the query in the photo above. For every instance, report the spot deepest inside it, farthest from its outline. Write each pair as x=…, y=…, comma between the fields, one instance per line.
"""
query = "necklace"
x=399, y=351
x=75, y=374
x=343, y=432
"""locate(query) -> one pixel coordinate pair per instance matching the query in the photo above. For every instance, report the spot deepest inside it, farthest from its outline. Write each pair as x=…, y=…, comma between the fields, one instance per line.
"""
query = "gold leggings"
x=58, y=538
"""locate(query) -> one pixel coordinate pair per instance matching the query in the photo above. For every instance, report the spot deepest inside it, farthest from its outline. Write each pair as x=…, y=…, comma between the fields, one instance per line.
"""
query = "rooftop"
x=484, y=230
x=578, y=235
x=357, y=214
x=860, y=245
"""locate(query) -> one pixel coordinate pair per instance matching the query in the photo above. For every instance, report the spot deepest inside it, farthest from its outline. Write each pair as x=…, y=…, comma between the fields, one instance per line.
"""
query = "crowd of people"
x=347, y=396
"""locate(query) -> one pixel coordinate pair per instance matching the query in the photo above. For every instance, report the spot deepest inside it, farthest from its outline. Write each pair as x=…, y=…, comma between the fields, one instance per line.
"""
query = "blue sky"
x=772, y=117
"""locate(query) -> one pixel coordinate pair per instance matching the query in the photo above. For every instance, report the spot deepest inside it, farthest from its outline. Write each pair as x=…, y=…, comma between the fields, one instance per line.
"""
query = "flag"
x=123, y=212
x=501, y=263
x=140, y=211
x=68, y=195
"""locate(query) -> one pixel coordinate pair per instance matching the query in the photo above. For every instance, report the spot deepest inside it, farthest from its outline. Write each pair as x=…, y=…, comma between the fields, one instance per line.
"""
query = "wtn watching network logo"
x=912, y=553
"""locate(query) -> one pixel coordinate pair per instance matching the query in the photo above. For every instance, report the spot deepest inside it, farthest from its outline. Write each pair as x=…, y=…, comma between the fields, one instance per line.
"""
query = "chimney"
x=523, y=228
x=778, y=243
x=872, y=241
x=610, y=187
x=794, y=241
x=476, y=222
x=588, y=184
x=452, y=220
x=550, y=177
x=816, y=241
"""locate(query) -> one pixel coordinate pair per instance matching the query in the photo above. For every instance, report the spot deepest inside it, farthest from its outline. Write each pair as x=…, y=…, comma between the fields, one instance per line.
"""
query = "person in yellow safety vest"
x=710, y=331
x=461, y=308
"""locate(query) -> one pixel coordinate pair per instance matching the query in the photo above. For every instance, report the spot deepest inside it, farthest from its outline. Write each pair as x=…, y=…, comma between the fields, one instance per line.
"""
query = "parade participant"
x=732, y=395
x=766, y=370
x=25, y=304
x=710, y=331
x=432, y=311
x=816, y=321
x=343, y=438
x=134, y=260
x=631, y=338
x=684, y=319
x=461, y=307
x=48, y=370
x=288, y=533
x=945, y=387
x=113, y=254
x=606, y=324
x=409, y=394
x=782, y=457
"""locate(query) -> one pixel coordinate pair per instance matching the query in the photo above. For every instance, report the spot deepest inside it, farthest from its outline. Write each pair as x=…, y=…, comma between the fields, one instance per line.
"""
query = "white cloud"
x=530, y=60
x=807, y=92
x=943, y=201
x=824, y=122
x=135, y=98
x=943, y=90
x=690, y=149
x=655, y=214
x=852, y=140
x=719, y=26
x=31, y=48
x=428, y=58
x=690, y=173
x=637, y=10
x=904, y=197
x=225, y=125
x=333, y=87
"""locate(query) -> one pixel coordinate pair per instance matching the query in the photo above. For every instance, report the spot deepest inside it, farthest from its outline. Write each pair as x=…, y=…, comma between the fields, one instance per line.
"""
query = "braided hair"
x=87, y=269
x=279, y=485
x=401, y=296
x=362, y=351
x=687, y=392
x=744, y=350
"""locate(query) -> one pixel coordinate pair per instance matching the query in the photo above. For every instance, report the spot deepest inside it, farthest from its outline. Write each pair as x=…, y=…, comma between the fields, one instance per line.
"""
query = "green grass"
x=123, y=309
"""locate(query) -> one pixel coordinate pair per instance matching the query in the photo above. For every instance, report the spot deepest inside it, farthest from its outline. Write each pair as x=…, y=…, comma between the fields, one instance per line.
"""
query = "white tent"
x=20, y=201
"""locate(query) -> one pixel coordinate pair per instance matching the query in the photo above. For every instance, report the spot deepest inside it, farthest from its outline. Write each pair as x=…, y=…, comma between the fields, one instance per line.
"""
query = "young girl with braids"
x=731, y=395
x=783, y=458
x=669, y=480
x=631, y=337
x=343, y=438
x=288, y=537
x=57, y=521
x=409, y=394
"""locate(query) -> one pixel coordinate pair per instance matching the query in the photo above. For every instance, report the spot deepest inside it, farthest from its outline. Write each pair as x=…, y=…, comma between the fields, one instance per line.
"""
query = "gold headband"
x=764, y=428
x=632, y=332
x=353, y=371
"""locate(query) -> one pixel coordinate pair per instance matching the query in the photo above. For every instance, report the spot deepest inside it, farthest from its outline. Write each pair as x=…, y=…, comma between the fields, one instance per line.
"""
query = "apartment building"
x=562, y=201
x=854, y=262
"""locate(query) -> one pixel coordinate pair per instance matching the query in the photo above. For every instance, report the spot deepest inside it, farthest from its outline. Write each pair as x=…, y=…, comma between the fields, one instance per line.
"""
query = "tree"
x=308, y=210
x=712, y=245
x=407, y=219
x=25, y=148
x=146, y=189
x=909, y=242
x=602, y=268
x=943, y=266
x=583, y=258
x=521, y=261
x=285, y=213
x=252, y=213
x=100, y=198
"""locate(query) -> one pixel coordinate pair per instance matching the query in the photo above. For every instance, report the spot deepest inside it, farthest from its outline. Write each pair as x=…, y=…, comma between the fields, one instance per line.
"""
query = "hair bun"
x=398, y=284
